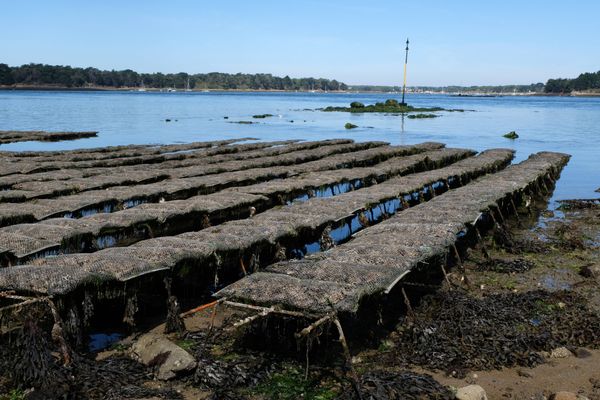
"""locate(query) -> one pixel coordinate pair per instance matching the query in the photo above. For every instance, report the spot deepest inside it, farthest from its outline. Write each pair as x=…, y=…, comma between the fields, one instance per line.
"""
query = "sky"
x=356, y=42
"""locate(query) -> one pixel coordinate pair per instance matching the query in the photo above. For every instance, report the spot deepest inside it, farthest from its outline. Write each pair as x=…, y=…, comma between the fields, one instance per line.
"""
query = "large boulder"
x=471, y=392
x=157, y=351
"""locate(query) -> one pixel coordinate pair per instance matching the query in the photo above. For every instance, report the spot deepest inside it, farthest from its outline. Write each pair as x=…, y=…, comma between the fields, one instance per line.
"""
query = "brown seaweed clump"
x=406, y=385
x=455, y=332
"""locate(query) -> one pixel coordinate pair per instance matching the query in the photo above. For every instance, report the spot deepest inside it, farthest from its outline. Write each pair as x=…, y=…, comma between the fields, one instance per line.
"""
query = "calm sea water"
x=570, y=125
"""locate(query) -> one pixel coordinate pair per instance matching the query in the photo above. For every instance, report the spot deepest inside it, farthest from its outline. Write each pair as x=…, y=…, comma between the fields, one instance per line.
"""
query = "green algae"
x=422, y=116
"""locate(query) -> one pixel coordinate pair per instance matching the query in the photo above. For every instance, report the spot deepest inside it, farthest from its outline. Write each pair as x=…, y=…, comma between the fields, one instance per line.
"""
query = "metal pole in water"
x=404, y=85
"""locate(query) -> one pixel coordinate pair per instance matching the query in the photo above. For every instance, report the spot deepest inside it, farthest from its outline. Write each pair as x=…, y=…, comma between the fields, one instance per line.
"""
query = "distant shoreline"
x=51, y=88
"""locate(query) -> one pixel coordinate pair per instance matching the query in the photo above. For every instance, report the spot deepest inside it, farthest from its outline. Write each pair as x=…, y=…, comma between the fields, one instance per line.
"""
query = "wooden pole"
x=354, y=376
x=404, y=84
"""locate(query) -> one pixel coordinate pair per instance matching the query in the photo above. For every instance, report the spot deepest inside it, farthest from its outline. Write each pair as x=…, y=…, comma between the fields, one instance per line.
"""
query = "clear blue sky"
x=357, y=42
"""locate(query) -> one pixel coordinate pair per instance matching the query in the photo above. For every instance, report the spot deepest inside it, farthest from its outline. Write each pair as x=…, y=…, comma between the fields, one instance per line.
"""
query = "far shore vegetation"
x=60, y=77
x=42, y=75
x=586, y=82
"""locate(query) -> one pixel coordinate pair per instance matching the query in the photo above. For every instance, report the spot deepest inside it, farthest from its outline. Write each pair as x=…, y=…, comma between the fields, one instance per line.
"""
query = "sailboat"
x=187, y=85
x=142, y=88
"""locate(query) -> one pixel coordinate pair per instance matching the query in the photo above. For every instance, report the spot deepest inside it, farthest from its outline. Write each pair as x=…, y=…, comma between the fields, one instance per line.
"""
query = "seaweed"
x=422, y=116
x=405, y=385
x=500, y=330
x=390, y=106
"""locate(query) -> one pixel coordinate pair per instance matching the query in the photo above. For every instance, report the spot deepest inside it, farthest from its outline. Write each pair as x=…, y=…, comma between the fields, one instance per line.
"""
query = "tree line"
x=585, y=81
x=73, y=77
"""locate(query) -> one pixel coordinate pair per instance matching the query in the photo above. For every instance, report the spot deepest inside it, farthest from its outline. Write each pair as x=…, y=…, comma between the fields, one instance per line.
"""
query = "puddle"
x=102, y=341
x=551, y=283
x=179, y=152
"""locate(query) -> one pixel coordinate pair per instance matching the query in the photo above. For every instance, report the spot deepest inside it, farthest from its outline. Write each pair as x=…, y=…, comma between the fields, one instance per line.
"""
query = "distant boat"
x=187, y=85
x=142, y=88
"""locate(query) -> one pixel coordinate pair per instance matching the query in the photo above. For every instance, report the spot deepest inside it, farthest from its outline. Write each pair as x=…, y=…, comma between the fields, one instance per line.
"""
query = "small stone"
x=525, y=374
x=471, y=392
x=560, y=352
x=563, y=396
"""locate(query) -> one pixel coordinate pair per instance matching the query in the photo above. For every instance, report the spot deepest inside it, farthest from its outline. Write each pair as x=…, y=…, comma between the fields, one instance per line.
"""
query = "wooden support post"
x=502, y=219
x=483, y=246
x=250, y=307
x=200, y=308
x=252, y=318
x=404, y=203
x=494, y=219
x=355, y=380
x=213, y=316
x=457, y=255
x=58, y=334
x=243, y=266
x=409, y=309
x=512, y=202
x=545, y=186
x=306, y=331
x=432, y=190
x=445, y=275
x=460, y=264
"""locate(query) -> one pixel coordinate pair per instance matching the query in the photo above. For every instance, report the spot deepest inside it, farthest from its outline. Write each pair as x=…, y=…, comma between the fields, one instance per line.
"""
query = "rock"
x=560, y=352
x=563, y=396
x=511, y=135
x=590, y=271
x=525, y=374
x=157, y=351
x=579, y=352
x=350, y=126
x=471, y=392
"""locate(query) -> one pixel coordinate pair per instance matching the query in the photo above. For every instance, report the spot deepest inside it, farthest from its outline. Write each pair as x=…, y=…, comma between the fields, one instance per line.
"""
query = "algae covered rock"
x=357, y=104
x=422, y=116
x=511, y=135
x=157, y=351
x=350, y=126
